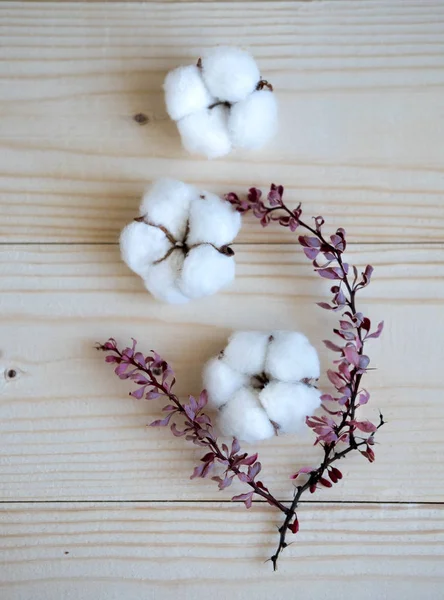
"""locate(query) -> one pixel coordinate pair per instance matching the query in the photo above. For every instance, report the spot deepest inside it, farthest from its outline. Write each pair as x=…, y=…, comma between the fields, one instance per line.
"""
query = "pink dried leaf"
x=334, y=378
x=245, y=498
x=249, y=460
x=376, y=333
x=351, y=355
x=365, y=426
x=303, y=471
x=364, y=397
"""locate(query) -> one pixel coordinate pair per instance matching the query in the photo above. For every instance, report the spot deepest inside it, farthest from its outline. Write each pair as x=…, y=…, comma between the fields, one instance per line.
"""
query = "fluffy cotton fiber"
x=262, y=384
x=180, y=243
x=221, y=103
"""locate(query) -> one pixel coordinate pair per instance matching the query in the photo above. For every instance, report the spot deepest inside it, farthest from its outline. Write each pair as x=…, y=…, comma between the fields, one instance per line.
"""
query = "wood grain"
x=114, y=551
x=69, y=431
x=361, y=89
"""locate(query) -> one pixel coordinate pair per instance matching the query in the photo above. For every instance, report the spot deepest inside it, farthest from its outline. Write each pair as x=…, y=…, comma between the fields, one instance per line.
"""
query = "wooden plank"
x=113, y=551
x=361, y=88
x=69, y=431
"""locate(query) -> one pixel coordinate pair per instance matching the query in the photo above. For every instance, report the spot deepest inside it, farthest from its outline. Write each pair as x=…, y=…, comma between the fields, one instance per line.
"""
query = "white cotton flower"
x=205, y=271
x=212, y=221
x=185, y=92
x=253, y=121
x=246, y=351
x=142, y=245
x=162, y=279
x=244, y=418
x=229, y=73
x=167, y=203
x=291, y=357
x=221, y=381
x=206, y=132
x=261, y=377
x=177, y=256
x=287, y=404
x=221, y=103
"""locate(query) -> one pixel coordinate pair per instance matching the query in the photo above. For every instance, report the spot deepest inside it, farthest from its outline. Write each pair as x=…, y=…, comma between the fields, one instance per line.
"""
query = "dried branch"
x=339, y=426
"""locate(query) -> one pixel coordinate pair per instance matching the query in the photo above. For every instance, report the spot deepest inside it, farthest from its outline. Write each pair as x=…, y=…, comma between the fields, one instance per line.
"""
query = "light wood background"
x=94, y=505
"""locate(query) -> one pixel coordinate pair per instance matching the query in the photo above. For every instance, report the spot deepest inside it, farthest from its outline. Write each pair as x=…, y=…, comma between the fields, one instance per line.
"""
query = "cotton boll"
x=213, y=220
x=221, y=382
x=205, y=271
x=243, y=418
x=185, y=92
x=167, y=203
x=287, y=404
x=229, y=73
x=246, y=351
x=141, y=245
x=291, y=357
x=161, y=279
x=253, y=121
x=206, y=132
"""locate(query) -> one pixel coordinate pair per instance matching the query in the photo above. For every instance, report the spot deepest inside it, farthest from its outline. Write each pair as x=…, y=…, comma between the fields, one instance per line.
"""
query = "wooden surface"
x=361, y=90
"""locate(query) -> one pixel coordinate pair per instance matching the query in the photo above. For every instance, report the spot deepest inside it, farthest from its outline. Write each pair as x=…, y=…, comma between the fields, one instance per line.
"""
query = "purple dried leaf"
x=325, y=306
x=330, y=273
x=254, y=470
x=364, y=361
x=162, y=422
x=235, y=447
x=311, y=253
x=331, y=346
x=364, y=397
x=138, y=394
x=376, y=333
x=176, y=432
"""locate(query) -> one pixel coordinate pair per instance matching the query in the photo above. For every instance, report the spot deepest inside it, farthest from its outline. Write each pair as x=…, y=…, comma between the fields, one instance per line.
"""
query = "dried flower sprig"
x=339, y=427
x=155, y=379
x=338, y=432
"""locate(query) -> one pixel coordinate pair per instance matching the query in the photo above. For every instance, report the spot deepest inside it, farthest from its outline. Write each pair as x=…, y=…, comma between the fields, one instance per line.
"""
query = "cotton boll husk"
x=221, y=382
x=291, y=357
x=229, y=73
x=185, y=92
x=213, y=220
x=161, y=279
x=167, y=202
x=246, y=351
x=205, y=271
x=244, y=418
x=253, y=121
x=206, y=132
x=141, y=245
x=287, y=404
